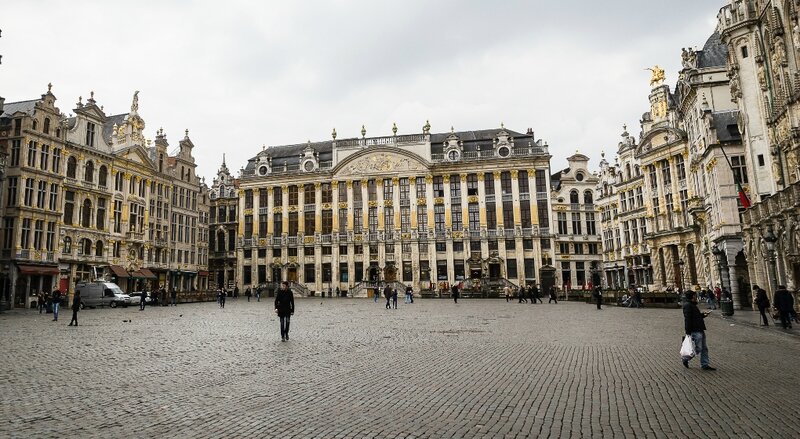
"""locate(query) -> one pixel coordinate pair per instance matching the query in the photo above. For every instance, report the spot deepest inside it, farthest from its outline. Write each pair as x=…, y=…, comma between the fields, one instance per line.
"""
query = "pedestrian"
x=76, y=306
x=56, y=300
x=143, y=299
x=235, y=292
x=221, y=298
x=163, y=294
x=248, y=293
x=284, y=308
x=712, y=304
x=174, y=295
x=40, y=301
x=408, y=296
x=410, y=293
x=535, y=294
x=553, y=296
x=258, y=293
x=454, y=293
x=695, y=327
x=387, y=292
x=717, y=294
x=521, y=293
x=507, y=292
x=338, y=292
x=394, y=298
x=598, y=296
x=784, y=303
x=762, y=302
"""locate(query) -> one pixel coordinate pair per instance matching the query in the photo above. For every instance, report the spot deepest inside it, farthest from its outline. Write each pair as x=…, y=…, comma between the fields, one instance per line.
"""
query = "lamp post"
x=616, y=276
x=679, y=264
x=718, y=253
x=770, y=239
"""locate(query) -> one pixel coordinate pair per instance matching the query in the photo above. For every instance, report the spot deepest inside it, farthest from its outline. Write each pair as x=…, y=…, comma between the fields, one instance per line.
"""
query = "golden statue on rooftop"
x=657, y=77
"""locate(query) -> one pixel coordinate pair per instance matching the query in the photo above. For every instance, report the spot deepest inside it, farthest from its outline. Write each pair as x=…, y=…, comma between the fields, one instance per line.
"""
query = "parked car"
x=136, y=298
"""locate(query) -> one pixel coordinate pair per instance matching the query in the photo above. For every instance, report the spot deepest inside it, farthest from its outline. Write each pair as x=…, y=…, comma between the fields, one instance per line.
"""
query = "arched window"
x=627, y=171
x=72, y=165
x=67, y=249
x=573, y=197
x=98, y=250
x=638, y=170
x=86, y=213
x=587, y=197
x=86, y=246
x=35, y=124
x=88, y=174
x=46, y=128
x=102, y=176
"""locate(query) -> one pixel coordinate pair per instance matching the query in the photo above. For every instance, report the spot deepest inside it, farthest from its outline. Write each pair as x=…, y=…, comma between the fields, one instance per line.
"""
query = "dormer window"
x=46, y=128
x=88, y=174
x=504, y=151
x=262, y=170
x=453, y=155
x=90, y=131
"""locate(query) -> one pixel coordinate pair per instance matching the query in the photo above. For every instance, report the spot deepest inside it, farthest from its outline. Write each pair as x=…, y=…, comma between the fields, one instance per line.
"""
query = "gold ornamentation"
x=292, y=208
x=343, y=205
x=481, y=176
x=412, y=179
x=276, y=260
x=308, y=240
x=334, y=184
x=429, y=179
x=496, y=174
x=514, y=173
x=277, y=209
x=248, y=211
x=262, y=242
x=373, y=203
x=422, y=201
x=358, y=238
x=438, y=200
x=463, y=177
x=395, y=180
x=293, y=259
x=458, y=235
x=364, y=182
x=388, y=203
x=446, y=179
x=317, y=185
x=349, y=184
x=405, y=236
x=326, y=206
x=472, y=199
x=657, y=76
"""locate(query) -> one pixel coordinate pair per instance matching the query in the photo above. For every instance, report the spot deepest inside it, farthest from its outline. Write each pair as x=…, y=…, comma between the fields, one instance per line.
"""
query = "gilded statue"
x=657, y=76
x=135, y=103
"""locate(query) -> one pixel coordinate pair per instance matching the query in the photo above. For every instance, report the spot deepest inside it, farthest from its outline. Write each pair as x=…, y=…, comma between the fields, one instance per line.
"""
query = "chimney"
x=530, y=132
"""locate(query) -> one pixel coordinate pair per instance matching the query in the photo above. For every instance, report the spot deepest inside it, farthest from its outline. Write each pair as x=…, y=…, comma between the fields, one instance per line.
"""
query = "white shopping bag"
x=687, y=348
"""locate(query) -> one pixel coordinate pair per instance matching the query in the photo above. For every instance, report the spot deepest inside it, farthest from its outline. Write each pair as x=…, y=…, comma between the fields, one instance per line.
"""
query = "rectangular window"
x=593, y=248
x=455, y=186
x=28, y=199
x=422, y=218
x=248, y=226
x=680, y=167
x=327, y=222
x=310, y=222
x=358, y=220
x=458, y=246
x=11, y=199
x=263, y=221
x=357, y=195
x=263, y=199
x=491, y=216
x=525, y=214
x=248, y=199
x=309, y=194
x=15, y=152
x=51, y=236
x=293, y=195
x=473, y=210
x=388, y=189
x=388, y=219
x=591, y=228
x=505, y=182
x=472, y=184
x=90, y=127
x=404, y=189
x=563, y=248
x=420, y=187
x=342, y=221
x=739, y=168
x=277, y=196
x=441, y=270
x=26, y=233
x=373, y=219
x=653, y=178
x=543, y=212
x=342, y=192
x=456, y=217
x=117, y=216
x=372, y=190
x=32, y=154
x=576, y=223
x=438, y=186
x=666, y=172
x=8, y=232
x=326, y=193
x=101, y=214
x=358, y=274
x=277, y=224
x=56, y=165
x=44, y=160
x=488, y=183
x=562, y=223
x=309, y=273
x=541, y=182
x=524, y=184
x=41, y=199
x=508, y=214
x=38, y=234
x=405, y=219
x=511, y=269
x=438, y=217
x=293, y=227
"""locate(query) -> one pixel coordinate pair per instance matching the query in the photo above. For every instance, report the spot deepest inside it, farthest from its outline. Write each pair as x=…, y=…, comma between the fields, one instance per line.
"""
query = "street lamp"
x=680, y=265
x=718, y=253
x=770, y=239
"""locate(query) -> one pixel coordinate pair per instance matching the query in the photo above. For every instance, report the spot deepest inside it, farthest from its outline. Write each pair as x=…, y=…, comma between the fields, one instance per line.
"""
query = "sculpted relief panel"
x=382, y=164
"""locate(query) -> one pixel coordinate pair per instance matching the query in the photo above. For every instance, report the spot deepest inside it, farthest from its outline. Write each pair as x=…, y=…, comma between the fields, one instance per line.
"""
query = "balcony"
x=489, y=198
x=309, y=207
x=292, y=240
x=525, y=196
x=276, y=240
x=508, y=197
x=263, y=210
x=134, y=236
x=508, y=233
x=160, y=242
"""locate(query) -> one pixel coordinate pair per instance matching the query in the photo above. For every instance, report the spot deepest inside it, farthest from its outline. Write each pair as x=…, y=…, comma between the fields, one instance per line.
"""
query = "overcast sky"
x=242, y=74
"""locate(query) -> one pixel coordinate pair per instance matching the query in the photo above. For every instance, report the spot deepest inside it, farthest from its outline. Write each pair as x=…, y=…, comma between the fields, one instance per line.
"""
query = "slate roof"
x=108, y=126
x=27, y=107
x=290, y=154
x=714, y=53
x=726, y=125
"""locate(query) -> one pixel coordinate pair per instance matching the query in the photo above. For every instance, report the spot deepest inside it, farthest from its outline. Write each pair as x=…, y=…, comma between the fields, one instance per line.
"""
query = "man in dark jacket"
x=535, y=295
x=284, y=308
x=56, y=298
x=695, y=327
x=762, y=302
x=598, y=296
x=387, y=293
x=76, y=306
x=784, y=303
x=454, y=292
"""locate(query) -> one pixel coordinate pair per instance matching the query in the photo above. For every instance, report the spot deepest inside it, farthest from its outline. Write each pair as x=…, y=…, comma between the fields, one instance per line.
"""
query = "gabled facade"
x=224, y=225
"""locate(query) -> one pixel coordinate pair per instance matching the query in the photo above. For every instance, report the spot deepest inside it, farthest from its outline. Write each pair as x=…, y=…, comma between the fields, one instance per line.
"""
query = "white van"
x=100, y=293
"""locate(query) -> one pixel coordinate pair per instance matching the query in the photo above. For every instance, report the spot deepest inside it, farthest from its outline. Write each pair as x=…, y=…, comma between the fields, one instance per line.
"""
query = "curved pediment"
x=381, y=161
x=659, y=137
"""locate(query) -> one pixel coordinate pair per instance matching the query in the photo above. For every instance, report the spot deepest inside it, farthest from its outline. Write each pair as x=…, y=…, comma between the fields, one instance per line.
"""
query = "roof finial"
x=91, y=94
x=502, y=125
x=394, y=128
x=333, y=133
x=426, y=129
x=452, y=130
x=135, y=103
x=186, y=133
x=49, y=86
x=363, y=131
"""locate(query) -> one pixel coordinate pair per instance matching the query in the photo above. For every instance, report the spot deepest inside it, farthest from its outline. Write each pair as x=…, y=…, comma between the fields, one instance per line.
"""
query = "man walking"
x=248, y=293
x=284, y=308
x=454, y=293
x=56, y=298
x=394, y=298
x=784, y=303
x=507, y=292
x=410, y=294
x=762, y=302
x=695, y=327
x=76, y=306
x=141, y=302
x=553, y=296
x=598, y=296
x=535, y=294
x=174, y=295
x=387, y=292
x=521, y=293
x=258, y=293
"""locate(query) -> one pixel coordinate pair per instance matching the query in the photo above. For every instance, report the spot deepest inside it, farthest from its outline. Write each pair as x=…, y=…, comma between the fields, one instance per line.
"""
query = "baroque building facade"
x=91, y=198
x=224, y=227
x=426, y=210
x=669, y=205
x=764, y=66
x=578, y=247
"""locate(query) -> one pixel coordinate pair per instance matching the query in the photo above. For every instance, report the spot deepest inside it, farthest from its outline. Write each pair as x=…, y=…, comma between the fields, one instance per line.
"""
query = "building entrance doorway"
x=474, y=273
x=276, y=274
x=390, y=273
x=291, y=274
x=494, y=271
x=373, y=273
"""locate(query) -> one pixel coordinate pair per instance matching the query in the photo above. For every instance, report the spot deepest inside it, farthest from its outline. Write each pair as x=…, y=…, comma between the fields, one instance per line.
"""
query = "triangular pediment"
x=92, y=112
x=137, y=154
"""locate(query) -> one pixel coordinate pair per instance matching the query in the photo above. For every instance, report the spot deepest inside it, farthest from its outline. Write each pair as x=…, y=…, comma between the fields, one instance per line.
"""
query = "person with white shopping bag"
x=695, y=329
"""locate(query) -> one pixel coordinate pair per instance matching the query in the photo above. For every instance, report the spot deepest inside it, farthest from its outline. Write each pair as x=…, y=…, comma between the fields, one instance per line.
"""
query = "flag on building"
x=743, y=196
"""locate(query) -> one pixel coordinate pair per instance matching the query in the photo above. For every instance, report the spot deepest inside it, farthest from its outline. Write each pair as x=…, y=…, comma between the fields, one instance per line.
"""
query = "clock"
x=453, y=155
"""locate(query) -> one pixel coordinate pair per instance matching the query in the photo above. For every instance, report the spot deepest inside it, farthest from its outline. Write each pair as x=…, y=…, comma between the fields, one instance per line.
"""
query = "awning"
x=202, y=273
x=119, y=271
x=38, y=269
x=137, y=274
x=148, y=274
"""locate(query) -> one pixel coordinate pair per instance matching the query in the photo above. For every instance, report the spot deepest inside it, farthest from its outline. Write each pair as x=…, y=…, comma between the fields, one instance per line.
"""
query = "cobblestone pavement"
x=482, y=368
